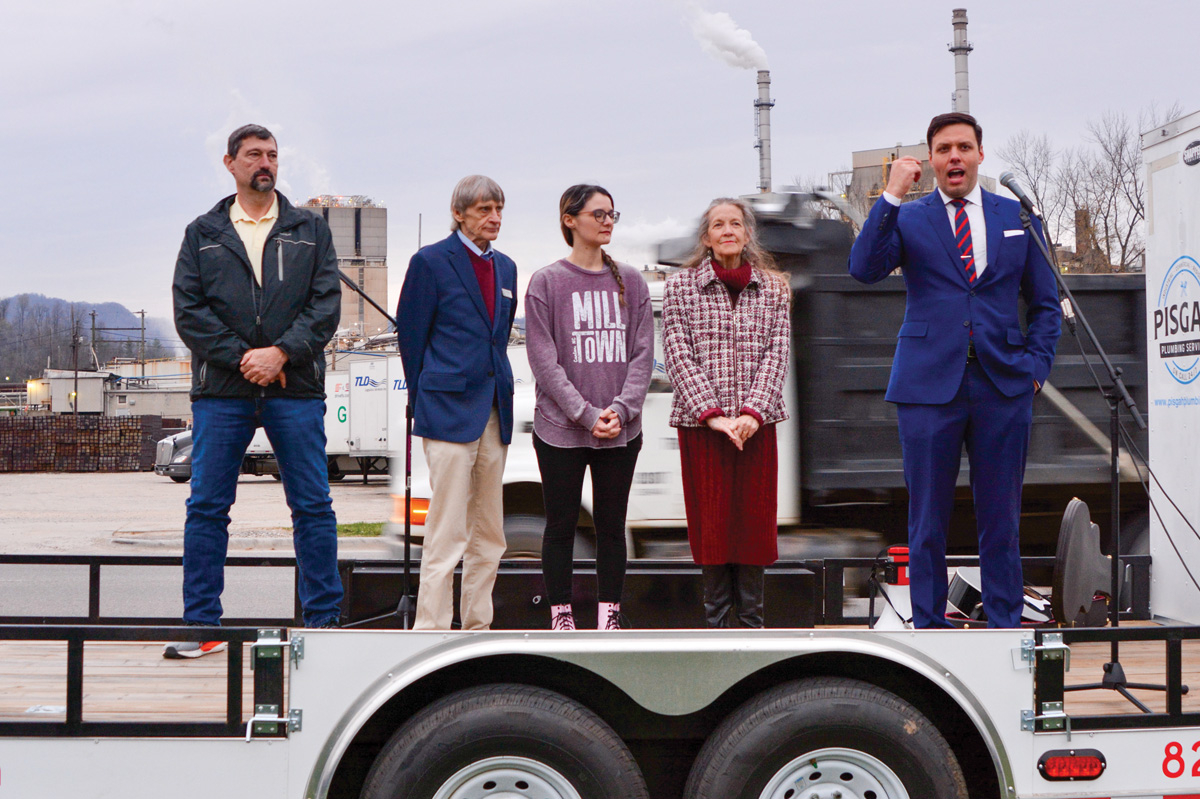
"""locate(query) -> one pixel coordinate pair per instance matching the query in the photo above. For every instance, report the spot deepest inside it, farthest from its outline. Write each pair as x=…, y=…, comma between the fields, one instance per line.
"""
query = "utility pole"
x=95, y=357
x=75, y=358
x=143, y=349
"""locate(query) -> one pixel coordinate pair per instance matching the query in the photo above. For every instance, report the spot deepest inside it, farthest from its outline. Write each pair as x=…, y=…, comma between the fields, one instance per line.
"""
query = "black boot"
x=718, y=594
x=750, y=584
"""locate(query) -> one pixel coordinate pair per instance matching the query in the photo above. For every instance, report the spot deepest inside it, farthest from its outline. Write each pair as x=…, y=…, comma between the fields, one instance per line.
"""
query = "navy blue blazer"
x=943, y=312
x=455, y=358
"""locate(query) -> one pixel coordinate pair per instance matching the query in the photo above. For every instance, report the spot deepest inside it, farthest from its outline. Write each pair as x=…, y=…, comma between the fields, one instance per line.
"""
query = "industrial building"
x=869, y=169
x=359, y=227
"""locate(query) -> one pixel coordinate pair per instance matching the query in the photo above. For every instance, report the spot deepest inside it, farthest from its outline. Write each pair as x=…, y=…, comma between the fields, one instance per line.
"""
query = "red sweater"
x=487, y=281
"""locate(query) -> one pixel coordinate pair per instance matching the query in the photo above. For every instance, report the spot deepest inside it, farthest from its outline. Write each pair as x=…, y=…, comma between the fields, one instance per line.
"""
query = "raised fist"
x=905, y=173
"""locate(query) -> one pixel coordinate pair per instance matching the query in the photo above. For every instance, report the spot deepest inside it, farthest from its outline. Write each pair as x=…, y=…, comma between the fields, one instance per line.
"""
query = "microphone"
x=1009, y=181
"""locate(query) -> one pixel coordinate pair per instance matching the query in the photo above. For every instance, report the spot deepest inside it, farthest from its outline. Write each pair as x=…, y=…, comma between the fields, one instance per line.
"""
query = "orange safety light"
x=420, y=509
x=1071, y=764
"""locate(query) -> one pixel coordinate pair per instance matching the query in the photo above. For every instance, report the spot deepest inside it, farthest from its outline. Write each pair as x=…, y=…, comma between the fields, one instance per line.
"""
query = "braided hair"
x=571, y=204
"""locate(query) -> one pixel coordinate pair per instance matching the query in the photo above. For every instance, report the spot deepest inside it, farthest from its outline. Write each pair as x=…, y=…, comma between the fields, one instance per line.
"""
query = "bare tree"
x=1094, y=192
x=1032, y=160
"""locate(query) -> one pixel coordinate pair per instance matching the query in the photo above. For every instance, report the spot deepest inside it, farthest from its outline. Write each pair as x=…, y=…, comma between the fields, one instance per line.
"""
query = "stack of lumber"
x=83, y=443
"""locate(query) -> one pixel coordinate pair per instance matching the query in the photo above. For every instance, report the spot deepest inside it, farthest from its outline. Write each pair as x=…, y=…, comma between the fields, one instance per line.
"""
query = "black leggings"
x=562, y=487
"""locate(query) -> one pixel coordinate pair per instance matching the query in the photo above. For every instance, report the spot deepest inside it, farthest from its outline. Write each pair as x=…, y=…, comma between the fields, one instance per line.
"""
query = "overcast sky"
x=113, y=116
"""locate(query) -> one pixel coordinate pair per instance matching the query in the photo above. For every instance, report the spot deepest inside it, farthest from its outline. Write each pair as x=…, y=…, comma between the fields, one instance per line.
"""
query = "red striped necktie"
x=962, y=235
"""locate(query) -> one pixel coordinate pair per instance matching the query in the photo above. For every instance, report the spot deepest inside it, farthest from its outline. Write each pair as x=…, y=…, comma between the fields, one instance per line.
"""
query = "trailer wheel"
x=511, y=741
x=523, y=535
x=826, y=737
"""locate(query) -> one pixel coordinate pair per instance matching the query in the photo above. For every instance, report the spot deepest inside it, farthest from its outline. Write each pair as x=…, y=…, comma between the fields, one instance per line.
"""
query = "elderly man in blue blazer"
x=454, y=317
x=965, y=372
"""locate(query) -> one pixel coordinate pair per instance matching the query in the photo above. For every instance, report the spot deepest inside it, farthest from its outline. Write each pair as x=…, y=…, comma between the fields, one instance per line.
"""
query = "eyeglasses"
x=600, y=213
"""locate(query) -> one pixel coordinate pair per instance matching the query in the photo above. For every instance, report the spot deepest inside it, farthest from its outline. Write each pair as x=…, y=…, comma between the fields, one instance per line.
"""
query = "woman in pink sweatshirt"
x=589, y=334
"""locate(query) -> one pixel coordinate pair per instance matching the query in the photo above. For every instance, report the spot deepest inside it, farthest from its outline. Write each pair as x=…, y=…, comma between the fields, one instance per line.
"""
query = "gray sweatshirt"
x=588, y=352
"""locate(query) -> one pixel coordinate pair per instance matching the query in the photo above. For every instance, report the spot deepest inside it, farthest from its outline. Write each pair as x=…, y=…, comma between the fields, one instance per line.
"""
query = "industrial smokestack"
x=961, y=49
x=762, y=110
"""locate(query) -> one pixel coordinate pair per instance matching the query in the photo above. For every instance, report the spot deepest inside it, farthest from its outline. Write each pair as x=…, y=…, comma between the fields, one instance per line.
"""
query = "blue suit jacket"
x=455, y=358
x=943, y=311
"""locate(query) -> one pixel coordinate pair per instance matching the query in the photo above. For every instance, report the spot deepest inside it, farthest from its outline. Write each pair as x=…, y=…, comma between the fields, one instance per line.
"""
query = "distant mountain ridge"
x=35, y=331
x=108, y=314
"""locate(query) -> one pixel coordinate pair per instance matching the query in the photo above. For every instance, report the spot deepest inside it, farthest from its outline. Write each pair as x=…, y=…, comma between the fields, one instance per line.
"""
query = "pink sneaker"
x=608, y=617
x=561, y=617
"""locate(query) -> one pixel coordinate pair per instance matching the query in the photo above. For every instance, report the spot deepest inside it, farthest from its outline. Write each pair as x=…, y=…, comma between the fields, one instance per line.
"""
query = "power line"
x=13, y=342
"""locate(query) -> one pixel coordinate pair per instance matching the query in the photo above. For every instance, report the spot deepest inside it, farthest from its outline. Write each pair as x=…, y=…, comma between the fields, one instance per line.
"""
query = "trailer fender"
x=681, y=672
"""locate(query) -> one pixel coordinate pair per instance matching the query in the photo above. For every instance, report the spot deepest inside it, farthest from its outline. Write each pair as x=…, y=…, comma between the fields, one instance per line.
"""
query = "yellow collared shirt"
x=254, y=233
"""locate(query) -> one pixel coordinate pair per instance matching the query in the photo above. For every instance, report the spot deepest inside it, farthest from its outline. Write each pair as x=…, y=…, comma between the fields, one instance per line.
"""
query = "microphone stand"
x=406, y=608
x=1114, y=674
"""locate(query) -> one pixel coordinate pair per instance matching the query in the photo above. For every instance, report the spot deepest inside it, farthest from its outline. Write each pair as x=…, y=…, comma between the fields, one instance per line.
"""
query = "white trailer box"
x=1172, y=158
x=369, y=389
x=397, y=397
x=337, y=413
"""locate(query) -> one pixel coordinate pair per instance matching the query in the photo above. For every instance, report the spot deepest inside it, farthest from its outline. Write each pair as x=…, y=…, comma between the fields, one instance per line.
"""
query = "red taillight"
x=1071, y=764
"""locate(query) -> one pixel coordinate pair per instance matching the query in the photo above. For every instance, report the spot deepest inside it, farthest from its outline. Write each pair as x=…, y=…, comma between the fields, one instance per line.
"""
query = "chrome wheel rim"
x=835, y=773
x=507, y=778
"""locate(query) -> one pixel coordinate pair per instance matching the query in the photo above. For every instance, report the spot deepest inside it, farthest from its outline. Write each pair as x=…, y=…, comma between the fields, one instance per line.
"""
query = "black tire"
x=826, y=732
x=335, y=472
x=181, y=478
x=523, y=535
x=505, y=740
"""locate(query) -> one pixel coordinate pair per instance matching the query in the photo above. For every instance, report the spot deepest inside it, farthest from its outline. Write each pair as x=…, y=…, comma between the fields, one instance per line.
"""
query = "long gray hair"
x=753, y=251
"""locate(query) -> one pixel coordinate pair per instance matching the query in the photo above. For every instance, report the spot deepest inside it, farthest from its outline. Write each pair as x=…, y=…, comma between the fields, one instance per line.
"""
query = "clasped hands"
x=263, y=366
x=608, y=425
x=739, y=430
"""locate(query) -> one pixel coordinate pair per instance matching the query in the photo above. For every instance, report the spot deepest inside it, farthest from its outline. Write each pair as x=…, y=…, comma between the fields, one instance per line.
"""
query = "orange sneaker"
x=193, y=649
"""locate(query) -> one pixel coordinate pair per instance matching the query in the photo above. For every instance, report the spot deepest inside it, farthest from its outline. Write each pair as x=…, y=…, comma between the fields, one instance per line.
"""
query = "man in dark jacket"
x=257, y=298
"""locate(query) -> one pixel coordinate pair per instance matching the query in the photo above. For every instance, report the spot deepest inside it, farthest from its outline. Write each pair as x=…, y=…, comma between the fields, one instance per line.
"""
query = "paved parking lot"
x=89, y=513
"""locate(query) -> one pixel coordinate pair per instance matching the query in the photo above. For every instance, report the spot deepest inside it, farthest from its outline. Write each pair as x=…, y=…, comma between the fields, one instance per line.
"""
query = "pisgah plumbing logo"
x=1177, y=320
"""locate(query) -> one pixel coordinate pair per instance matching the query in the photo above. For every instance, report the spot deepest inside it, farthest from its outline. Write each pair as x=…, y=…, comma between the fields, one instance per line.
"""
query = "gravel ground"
x=105, y=513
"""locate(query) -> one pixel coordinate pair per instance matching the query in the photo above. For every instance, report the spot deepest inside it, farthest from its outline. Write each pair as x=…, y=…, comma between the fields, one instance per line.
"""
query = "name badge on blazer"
x=505, y=293
x=1008, y=233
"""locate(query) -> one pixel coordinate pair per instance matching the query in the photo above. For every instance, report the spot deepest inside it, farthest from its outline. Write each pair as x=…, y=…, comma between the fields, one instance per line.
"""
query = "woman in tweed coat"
x=726, y=335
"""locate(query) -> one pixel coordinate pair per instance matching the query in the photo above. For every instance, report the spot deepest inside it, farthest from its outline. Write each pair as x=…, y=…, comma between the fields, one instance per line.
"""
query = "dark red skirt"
x=731, y=497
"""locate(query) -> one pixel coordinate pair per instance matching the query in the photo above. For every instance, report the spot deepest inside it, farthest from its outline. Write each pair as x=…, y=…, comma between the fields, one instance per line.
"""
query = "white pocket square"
x=507, y=293
x=1008, y=233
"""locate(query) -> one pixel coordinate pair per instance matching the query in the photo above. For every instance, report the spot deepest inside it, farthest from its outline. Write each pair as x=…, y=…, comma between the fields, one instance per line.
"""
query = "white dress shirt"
x=974, y=209
x=473, y=247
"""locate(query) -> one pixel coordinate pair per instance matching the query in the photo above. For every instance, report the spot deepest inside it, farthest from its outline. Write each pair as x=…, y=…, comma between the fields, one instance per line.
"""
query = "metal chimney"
x=961, y=48
x=762, y=111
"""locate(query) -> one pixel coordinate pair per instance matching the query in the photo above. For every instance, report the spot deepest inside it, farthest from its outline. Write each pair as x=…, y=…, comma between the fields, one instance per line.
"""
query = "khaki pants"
x=465, y=522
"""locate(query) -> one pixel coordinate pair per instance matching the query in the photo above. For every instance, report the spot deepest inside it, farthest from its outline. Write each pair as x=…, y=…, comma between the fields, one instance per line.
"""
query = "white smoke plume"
x=300, y=175
x=721, y=37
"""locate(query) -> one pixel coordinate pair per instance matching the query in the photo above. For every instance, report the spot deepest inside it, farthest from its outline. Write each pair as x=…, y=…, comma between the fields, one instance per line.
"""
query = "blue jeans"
x=221, y=431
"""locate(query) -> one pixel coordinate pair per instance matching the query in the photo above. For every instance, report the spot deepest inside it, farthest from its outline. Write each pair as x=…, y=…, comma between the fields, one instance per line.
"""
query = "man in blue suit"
x=454, y=317
x=965, y=372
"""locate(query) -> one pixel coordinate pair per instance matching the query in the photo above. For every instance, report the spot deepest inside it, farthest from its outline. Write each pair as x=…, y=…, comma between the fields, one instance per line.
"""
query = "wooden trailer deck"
x=131, y=681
